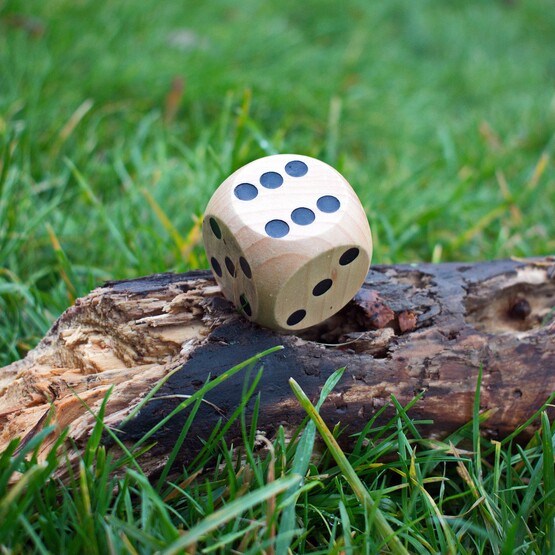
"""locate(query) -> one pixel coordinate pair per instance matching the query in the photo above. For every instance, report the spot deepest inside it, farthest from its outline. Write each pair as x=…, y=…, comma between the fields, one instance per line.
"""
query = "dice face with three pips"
x=287, y=240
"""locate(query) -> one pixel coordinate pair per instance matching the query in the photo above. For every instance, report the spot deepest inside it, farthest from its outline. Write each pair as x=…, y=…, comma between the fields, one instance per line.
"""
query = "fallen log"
x=411, y=330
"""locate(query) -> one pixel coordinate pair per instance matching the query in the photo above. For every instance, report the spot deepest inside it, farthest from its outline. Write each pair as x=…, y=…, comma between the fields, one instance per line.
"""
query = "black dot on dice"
x=216, y=266
x=296, y=317
x=230, y=266
x=271, y=180
x=245, y=267
x=215, y=228
x=348, y=256
x=245, y=305
x=302, y=216
x=296, y=168
x=246, y=191
x=277, y=228
x=321, y=287
x=328, y=204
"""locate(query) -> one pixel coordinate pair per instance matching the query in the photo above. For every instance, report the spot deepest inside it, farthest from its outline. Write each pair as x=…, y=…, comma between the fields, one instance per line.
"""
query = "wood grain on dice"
x=288, y=241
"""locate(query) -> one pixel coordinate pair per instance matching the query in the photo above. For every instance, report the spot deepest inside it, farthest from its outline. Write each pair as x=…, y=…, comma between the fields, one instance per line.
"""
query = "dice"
x=287, y=240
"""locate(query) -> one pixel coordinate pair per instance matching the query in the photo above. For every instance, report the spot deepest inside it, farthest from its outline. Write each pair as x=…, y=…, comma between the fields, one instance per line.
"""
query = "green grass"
x=395, y=492
x=440, y=114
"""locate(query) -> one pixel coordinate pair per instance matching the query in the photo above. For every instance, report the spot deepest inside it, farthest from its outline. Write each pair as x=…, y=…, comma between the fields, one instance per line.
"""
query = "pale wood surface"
x=286, y=270
x=410, y=329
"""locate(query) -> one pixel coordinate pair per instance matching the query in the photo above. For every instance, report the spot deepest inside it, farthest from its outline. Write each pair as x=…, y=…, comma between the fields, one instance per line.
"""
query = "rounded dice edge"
x=275, y=259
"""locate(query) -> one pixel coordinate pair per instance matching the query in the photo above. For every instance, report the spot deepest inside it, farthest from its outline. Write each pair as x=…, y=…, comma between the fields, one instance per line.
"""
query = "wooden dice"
x=287, y=240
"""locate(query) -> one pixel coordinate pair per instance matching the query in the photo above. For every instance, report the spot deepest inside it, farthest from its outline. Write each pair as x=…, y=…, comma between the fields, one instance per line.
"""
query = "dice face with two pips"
x=287, y=240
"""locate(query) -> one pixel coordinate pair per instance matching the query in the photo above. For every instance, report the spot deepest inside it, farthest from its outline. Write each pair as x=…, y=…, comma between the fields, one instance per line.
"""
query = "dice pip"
x=287, y=240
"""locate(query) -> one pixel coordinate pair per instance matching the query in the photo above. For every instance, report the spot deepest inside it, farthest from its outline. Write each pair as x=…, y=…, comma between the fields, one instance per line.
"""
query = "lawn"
x=118, y=119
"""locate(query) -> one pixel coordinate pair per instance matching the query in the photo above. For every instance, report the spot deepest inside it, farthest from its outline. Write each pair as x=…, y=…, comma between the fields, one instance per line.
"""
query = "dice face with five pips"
x=287, y=240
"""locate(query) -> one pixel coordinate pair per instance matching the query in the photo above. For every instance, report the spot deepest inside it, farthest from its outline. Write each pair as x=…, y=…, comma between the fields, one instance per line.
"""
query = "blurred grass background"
x=118, y=119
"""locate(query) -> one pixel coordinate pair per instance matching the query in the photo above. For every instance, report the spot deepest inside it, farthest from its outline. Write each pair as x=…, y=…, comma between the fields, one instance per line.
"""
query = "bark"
x=412, y=329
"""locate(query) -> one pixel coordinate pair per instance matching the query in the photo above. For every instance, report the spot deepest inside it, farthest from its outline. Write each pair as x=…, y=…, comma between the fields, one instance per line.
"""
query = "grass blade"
x=300, y=466
x=384, y=530
x=230, y=512
x=207, y=387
